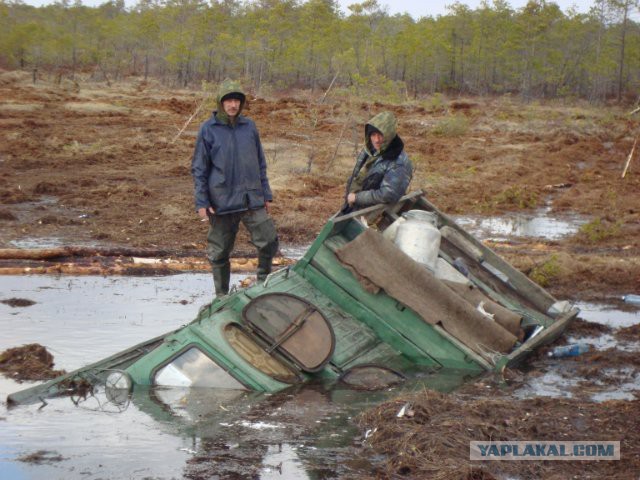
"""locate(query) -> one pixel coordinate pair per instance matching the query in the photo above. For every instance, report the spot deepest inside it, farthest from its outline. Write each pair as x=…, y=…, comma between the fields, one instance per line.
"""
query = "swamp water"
x=160, y=433
x=521, y=225
x=201, y=433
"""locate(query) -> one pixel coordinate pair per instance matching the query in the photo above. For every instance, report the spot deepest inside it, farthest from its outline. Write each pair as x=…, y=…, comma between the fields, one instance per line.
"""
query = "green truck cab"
x=319, y=321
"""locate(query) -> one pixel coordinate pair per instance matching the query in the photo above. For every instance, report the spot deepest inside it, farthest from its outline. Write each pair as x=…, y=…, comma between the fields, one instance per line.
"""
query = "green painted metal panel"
x=394, y=323
x=353, y=337
x=382, y=354
x=207, y=335
x=371, y=319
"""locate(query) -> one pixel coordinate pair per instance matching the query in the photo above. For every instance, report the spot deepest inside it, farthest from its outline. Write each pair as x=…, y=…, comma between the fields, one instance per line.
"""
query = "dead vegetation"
x=28, y=362
x=41, y=457
x=116, y=172
x=434, y=441
x=18, y=302
x=430, y=439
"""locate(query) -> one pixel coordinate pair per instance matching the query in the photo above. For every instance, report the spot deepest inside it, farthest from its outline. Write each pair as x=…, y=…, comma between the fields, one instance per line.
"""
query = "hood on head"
x=233, y=89
x=386, y=123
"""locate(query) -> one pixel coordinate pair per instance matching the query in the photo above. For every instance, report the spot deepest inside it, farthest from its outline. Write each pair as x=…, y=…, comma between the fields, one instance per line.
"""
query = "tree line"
x=535, y=51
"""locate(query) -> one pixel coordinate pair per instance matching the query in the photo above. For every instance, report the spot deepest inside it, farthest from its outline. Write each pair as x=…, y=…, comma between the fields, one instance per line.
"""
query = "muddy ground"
x=97, y=165
x=107, y=167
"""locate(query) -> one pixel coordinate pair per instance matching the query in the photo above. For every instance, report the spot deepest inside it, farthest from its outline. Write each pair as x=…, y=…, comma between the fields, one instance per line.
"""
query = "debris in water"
x=569, y=350
x=28, y=362
x=18, y=302
x=405, y=410
x=41, y=456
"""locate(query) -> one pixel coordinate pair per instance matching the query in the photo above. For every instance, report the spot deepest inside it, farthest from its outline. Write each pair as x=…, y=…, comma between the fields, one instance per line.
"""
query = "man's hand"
x=351, y=199
x=202, y=212
x=266, y=206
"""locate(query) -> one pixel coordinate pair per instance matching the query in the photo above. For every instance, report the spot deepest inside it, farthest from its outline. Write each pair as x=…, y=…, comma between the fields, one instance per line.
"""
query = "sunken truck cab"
x=382, y=293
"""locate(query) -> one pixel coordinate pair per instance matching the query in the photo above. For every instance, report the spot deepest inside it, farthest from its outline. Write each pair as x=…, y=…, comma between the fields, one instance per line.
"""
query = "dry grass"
x=96, y=108
x=20, y=107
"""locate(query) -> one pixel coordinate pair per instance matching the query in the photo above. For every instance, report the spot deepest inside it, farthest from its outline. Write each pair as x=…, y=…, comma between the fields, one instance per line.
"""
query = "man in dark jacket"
x=383, y=170
x=231, y=186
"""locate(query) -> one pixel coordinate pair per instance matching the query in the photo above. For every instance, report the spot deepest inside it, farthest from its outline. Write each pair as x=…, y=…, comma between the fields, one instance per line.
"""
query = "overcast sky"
x=415, y=8
x=433, y=8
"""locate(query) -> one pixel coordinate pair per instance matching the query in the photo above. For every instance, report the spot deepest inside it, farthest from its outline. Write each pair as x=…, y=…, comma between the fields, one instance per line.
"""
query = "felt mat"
x=379, y=264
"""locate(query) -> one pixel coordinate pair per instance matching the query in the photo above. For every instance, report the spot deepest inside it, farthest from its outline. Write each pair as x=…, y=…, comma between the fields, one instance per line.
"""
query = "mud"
x=104, y=166
x=28, y=362
x=99, y=166
x=583, y=328
x=629, y=333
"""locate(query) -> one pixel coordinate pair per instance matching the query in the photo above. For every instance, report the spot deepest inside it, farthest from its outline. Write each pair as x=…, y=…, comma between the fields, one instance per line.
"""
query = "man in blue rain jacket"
x=231, y=186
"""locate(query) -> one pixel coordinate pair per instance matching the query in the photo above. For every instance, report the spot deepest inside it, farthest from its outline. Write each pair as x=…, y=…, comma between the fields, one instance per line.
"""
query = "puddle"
x=609, y=315
x=40, y=242
x=525, y=225
x=551, y=384
x=294, y=252
x=627, y=385
x=566, y=377
x=194, y=433
x=559, y=382
x=48, y=205
x=81, y=319
x=620, y=394
x=605, y=342
x=282, y=462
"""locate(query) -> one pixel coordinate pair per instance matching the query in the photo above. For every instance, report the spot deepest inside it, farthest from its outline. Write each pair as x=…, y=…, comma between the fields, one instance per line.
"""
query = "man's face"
x=377, y=139
x=231, y=106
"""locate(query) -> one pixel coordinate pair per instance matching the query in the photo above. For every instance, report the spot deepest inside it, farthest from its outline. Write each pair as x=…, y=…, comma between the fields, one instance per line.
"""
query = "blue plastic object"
x=569, y=350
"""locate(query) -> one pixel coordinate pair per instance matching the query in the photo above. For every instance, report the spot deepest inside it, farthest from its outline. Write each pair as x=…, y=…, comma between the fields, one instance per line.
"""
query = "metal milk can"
x=419, y=237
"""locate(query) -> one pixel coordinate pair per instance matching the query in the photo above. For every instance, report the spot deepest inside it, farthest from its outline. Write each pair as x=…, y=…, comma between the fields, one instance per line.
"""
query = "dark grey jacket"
x=229, y=168
x=387, y=179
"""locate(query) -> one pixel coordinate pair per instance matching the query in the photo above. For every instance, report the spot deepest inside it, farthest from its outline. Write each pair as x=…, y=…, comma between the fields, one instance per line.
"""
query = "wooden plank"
x=528, y=289
x=547, y=336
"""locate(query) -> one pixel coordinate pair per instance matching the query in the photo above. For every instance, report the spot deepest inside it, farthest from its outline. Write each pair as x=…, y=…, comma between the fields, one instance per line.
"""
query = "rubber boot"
x=221, y=276
x=264, y=267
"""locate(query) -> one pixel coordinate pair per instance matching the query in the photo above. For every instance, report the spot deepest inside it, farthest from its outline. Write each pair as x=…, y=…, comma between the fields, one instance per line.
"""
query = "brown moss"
x=434, y=441
x=28, y=362
x=18, y=302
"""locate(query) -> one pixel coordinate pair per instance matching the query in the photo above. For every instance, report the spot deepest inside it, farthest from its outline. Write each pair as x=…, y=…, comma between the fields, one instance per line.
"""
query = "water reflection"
x=283, y=463
x=610, y=315
x=82, y=319
x=163, y=432
x=535, y=225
